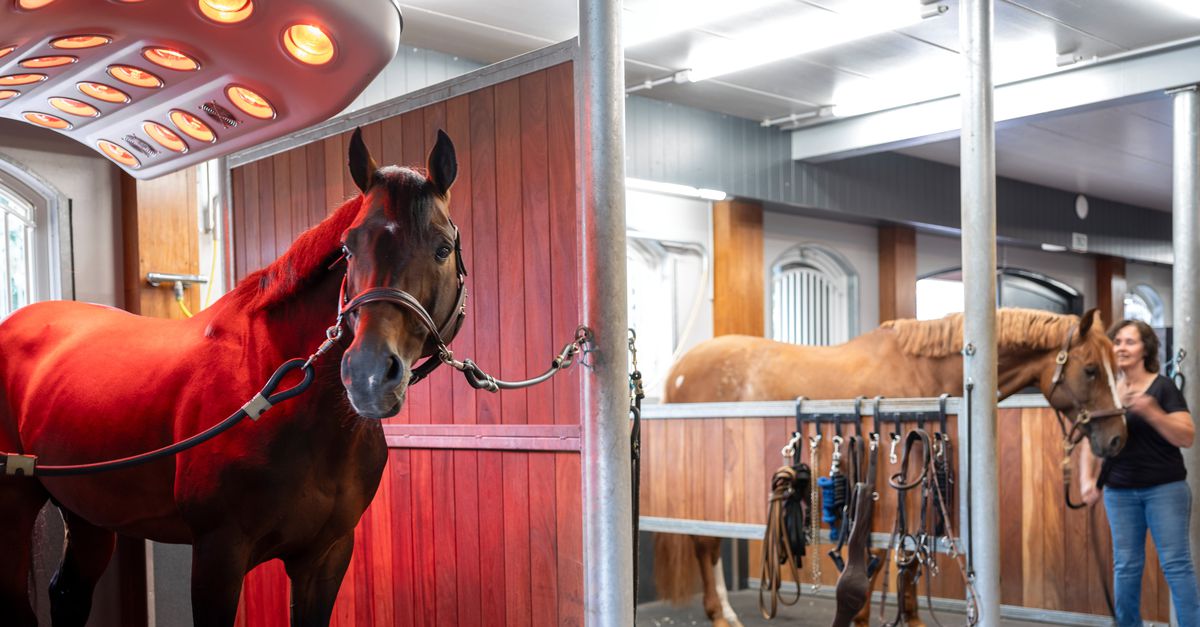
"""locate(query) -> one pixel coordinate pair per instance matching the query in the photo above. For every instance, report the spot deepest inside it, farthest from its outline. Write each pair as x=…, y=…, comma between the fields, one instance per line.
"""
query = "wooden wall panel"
x=1047, y=553
x=738, y=268
x=160, y=235
x=1110, y=288
x=897, y=272
x=461, y=536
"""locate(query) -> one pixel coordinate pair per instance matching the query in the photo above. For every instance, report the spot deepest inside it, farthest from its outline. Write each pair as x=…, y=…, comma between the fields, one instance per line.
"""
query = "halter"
x=1083, y=418
x=439, y=336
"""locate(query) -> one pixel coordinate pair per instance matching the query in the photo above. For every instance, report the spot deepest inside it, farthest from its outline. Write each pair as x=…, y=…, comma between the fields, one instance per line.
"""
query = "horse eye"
x=443, y=252
x=1091, y=371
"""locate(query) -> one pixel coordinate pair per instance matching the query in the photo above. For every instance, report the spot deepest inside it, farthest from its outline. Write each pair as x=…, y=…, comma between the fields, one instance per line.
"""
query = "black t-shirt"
x=1148, y=459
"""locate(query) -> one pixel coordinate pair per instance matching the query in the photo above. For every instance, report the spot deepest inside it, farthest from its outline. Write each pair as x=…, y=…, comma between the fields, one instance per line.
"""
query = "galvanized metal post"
x=979, y=289
x=1185, y=207
x=607, y=505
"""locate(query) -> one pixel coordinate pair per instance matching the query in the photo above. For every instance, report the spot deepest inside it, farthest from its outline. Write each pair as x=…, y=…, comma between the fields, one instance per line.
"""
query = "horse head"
x=403, y=294
x=1081, y=385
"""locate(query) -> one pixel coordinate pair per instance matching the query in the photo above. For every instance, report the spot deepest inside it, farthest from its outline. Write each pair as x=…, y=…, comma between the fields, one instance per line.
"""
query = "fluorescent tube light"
x=649, y=20
x=784, y=39
x=675, y=189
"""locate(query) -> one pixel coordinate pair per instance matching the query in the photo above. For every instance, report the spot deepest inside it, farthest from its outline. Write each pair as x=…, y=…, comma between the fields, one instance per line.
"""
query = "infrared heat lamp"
x=158, y=85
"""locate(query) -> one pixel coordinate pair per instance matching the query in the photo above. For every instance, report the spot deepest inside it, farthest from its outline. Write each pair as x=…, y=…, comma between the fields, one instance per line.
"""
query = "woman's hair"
x=1149, y=341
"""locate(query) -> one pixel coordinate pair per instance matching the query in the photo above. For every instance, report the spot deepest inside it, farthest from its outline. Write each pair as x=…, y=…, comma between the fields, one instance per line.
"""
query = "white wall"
x=92, y=184
x=859, y=244
x=939, y=252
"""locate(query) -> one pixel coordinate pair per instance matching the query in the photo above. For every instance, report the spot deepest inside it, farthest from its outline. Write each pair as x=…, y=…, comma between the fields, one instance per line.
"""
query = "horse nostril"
x=393, y=371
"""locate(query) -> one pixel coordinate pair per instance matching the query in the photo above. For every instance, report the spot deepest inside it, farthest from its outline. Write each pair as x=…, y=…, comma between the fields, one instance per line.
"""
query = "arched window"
x=941, y=293
x=1144, y=304
x=814, y=297
x=33, y=236
x=16, y=250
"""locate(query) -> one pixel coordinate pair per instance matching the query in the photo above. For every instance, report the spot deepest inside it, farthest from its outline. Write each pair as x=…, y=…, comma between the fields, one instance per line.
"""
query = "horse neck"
x=296, y=327
x=1021, y=368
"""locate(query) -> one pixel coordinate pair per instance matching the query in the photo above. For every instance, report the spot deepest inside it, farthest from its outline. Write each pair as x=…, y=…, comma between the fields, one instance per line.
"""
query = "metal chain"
x=481, y=380
x=636, y=394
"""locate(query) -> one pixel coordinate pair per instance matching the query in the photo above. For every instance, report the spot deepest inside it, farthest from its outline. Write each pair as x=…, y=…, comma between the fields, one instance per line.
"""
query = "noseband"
x=439, y=336
x=1082, y=421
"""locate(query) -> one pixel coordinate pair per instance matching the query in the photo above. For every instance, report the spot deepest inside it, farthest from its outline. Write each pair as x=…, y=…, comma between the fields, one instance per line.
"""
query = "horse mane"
x=307, y=259
x=1015, y=328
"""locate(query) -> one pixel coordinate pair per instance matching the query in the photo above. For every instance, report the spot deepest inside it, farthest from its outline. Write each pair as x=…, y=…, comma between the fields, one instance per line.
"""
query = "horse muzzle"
x=376, y=381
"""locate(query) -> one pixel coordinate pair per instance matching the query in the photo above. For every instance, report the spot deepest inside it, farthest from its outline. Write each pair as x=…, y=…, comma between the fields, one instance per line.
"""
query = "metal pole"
x=979, y=289
x=1185, y=203
x=607, y=506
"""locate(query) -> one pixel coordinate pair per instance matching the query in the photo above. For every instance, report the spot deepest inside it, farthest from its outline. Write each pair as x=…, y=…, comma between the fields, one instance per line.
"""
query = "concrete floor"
x=808, y=612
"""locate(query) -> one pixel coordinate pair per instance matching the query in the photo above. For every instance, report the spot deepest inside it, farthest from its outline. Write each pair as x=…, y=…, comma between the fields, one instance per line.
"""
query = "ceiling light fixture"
x=675, y=189
x=650, y=20
x=815, y=30
x=119, y=72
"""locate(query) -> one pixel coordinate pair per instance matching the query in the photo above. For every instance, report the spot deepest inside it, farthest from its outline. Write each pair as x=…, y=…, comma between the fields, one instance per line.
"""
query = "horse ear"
x=1089, y=317
x=443, y=165
x=362, y=166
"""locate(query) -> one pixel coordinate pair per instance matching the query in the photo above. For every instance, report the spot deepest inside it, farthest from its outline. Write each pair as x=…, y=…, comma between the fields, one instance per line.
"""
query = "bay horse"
x=81, y=383
x=900, y=359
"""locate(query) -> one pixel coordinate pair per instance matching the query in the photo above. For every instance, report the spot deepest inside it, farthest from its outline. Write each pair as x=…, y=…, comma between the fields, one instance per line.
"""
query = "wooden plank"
x=1150, y=577
x=424, y=558
x=298, y=170
x=897, y=272
x=568, y=475
x=266, y=595
x=466, y=470
x=737, y=267
x=510, y=249
x=484, y=308
x=413, y=152
x=535, y=233
x=1032, y=541
x=251, y=238
x=335, y=164
x=1011, y=505
x=753, y=437
x=238, y=210
x=266, y=209
x=517, y=576
x=565, y=244
x=543, y=538
x=361, y=574
x=399, y=475
x=713, y=468
x=1054, y=560
x=281, y=211
x=736, y=488
x=494, y=594
x=392, y=132
x=444, y=521
x=314, y=163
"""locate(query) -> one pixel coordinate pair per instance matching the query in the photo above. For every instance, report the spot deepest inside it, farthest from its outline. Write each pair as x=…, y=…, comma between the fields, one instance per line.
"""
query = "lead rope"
x=814, y=450
x=636, y=394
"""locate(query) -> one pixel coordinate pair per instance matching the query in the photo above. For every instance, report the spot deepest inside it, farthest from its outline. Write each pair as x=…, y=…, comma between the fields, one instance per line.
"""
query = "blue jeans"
x=1164, y=509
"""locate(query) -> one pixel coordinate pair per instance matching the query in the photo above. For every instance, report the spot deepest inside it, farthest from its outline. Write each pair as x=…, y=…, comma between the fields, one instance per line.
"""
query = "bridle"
x=435, y=349
x=1081, y=423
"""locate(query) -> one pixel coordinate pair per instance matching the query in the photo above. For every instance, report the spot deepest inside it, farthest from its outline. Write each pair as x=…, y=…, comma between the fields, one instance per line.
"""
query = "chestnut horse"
x=81, y=383
x=901, y=359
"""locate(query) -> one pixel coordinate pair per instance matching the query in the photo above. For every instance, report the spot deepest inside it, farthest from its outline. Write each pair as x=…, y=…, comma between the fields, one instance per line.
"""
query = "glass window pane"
x=11, y=203
x=18, y=268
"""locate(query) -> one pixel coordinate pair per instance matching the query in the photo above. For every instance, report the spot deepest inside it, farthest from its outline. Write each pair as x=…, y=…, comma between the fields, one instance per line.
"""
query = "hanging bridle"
x=1082, y=420
x=435, y=349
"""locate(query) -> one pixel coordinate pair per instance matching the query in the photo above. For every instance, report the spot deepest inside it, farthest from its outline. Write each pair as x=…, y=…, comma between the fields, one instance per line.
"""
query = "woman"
x=1144, y=485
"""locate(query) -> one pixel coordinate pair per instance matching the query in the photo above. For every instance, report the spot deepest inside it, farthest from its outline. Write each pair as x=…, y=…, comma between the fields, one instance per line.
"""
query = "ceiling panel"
x=1118, y=152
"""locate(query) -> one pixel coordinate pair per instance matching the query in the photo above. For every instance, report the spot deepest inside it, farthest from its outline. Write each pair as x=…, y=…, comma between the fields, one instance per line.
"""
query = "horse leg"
x=84, y=559
x=20, y=501
x=716, y=598
x=219, y=564
x=912, y=576
x=316, y=577
x=863, y=617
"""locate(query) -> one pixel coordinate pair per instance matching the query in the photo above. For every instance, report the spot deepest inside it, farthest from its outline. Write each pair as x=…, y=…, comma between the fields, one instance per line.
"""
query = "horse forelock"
x=308, y=258
x=409, y=199
x=1015, y=329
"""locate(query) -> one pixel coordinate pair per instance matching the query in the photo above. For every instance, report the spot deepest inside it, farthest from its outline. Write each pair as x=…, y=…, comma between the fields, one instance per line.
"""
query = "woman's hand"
x=1090, y=492
x=1142, y=404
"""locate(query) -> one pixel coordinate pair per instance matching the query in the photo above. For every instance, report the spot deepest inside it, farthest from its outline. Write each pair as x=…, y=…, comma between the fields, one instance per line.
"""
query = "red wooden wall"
x=458, y=535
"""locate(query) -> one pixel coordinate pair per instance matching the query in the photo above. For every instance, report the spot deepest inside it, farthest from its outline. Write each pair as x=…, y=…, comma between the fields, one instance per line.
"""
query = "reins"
x=17, y=464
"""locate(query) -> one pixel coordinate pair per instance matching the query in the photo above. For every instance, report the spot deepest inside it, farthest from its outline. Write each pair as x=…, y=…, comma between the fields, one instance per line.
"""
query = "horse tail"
x=676, y=575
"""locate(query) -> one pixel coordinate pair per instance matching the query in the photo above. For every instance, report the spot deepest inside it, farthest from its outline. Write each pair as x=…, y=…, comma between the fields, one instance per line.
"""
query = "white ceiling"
x=1118, y=152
